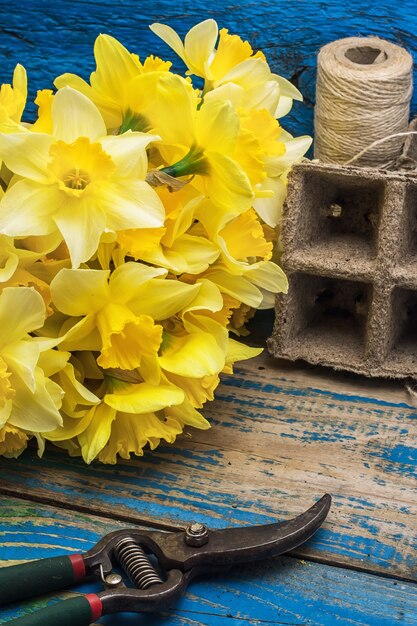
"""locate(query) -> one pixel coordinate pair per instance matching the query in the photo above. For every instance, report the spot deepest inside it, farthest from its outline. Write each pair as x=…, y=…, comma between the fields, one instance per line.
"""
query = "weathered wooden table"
x=283, y=434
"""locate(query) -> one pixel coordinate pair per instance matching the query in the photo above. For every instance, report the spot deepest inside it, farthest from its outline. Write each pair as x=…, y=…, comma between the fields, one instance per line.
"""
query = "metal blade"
x=230, y=546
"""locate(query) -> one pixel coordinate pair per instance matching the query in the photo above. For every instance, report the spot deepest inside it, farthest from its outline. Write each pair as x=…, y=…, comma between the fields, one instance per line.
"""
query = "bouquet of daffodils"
x=137, y=220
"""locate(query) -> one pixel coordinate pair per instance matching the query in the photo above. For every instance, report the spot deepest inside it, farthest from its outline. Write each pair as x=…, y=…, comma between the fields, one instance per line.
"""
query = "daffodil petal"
x=93, y=439
x=269, y=276
x=26, y=154
x=243, y=238
x=194, y=355
x=70, y=428
x=284, y=106
x=170, y=37
x=9, y=259
x=270, y=209
x=5, y=411
x=150, y=370
x=268, y=299
x=128, y=153
x=36, y=411
x=135, y=241
x=197, y=390
x=207, y=298
x=128, y=279
x=227, y=92
x=199, y=45
x=263, y=96
x=52, y=361
x=21, y=358
x=22, y=310
x=12, y=441
x=188, y=254
x=74, y=116
x=79, y=292
x=116, y=66
x=81, y=224
x=27, y=207
x=238, y=351
x=229, y=186
x=55, y=392
x=286, y=88
x=77, y=83
x=75, y=392
x=126, y=338
x=295, y=149
x=169, y=102
x=131, y=204
x=109, y=107
x=130, y=433
x=163, y=299
x=83, y=335
x=217, y=126
x=144, y=398
x=248, y=73
x=236, y=286
x=20, y=85
x=186, y=414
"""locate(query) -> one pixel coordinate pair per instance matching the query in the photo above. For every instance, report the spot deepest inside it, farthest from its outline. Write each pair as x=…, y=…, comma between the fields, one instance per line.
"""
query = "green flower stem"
x=194, y=162
x=133, y=121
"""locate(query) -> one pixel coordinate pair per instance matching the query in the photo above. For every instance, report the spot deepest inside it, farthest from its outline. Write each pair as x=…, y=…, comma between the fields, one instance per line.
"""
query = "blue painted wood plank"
x=52, y=37
x=278, y=591
x=282, y=436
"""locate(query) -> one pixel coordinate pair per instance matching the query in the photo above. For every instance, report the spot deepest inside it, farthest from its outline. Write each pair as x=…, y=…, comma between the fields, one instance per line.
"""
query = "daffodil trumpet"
x=138, y=217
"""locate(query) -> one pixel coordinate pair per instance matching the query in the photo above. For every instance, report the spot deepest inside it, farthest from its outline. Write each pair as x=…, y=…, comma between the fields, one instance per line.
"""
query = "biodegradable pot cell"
x=350, y=252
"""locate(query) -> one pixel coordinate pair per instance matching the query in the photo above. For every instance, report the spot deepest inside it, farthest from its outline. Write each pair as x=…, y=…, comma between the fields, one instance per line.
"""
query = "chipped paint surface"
x=280, y=591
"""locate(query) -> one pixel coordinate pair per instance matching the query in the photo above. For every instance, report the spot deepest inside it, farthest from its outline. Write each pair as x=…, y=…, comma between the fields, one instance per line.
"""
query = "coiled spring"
x=136, y=564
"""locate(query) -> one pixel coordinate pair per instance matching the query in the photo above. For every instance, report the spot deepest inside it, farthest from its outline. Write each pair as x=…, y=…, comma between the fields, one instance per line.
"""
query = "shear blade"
x=232, y=546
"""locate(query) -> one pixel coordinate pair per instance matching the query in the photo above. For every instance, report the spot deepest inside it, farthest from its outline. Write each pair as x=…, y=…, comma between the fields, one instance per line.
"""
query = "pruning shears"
x=155, y=566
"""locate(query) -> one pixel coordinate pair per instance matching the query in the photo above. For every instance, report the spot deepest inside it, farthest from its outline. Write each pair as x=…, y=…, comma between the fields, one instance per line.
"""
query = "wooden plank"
x=278, y=591
x=281, y=437
x=50, y=38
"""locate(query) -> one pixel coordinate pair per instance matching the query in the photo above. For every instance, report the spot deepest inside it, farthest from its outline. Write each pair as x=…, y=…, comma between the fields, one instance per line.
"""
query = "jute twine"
x=364, y=86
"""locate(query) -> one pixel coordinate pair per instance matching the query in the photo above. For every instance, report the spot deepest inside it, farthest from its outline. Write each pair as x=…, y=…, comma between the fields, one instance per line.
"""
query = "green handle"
x=19, y=582
x=74, y=612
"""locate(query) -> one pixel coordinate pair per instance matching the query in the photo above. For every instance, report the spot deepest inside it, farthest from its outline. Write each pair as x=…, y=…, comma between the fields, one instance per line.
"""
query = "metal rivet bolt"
x=113, y=580
x=196, y=535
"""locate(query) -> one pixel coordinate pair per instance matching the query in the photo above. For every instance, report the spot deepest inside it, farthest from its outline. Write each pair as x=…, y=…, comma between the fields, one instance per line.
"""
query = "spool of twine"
x=364, y=86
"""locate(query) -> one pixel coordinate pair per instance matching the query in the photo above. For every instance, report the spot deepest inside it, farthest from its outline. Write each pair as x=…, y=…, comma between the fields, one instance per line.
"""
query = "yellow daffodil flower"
x=231, y=71
x=199, y=382
x=178, y=249
x=203, y=144
x=243, y=270
x=129, y=416
x=138, y=215
x=28, y=400
x=110, y=83
x=118, y=311
x=77, y=181
x=195, y=342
